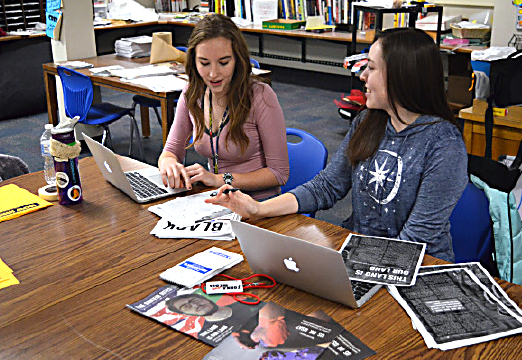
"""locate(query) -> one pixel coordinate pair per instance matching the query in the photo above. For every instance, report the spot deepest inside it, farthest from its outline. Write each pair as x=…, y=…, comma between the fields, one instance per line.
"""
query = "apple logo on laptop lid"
x=107, y=167
x=291, y=264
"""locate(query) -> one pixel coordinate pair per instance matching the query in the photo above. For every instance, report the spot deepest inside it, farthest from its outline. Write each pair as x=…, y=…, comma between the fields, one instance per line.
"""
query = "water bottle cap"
x=48, y=126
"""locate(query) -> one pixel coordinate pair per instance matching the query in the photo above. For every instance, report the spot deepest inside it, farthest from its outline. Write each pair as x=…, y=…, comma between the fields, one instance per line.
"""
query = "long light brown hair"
x=239, y=96
x=414, y=80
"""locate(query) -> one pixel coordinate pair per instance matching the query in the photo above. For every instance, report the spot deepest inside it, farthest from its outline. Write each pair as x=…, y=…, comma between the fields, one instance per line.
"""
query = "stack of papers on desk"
x=158, y=78
x=105, y=70
x=458, y=305
x=190, y=217
x=142, y=71
x=76, y=64
x=138, y=46
x=160, y=83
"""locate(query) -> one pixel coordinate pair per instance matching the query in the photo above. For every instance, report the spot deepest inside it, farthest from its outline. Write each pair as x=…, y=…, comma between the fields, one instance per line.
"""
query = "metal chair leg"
x=157, y=115
x=107, y=138
x=134, y=127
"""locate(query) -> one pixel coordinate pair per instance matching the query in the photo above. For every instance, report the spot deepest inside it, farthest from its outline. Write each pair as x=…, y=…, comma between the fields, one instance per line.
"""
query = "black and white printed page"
x=382, y=260
x=452, y=308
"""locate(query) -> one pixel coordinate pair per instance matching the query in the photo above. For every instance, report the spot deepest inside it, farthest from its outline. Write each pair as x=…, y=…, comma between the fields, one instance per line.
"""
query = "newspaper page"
x=382, y=260
x=278, y=333
x=485, y=278
x=208, y=318
x=452, y=308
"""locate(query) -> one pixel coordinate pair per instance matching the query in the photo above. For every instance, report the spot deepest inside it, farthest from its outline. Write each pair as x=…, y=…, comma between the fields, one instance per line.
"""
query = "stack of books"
x=138, y=46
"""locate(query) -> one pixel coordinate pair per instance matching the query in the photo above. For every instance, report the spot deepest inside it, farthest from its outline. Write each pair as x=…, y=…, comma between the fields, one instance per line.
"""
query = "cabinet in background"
x=21, y=14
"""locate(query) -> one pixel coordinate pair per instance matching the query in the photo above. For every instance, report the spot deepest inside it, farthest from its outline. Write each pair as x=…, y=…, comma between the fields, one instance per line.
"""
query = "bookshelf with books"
x=412, y=13
x=334, y=12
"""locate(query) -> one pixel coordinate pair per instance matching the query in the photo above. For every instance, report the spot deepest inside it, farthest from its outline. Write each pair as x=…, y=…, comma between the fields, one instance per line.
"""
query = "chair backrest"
x=471, y=229
x=307, y=158
x=255, y=63
x=11, y=166
x=77, y=92
x=182, y=48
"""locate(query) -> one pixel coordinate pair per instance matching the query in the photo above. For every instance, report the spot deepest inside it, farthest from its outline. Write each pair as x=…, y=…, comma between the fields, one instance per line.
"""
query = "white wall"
x=465, y=10
x=504, y=26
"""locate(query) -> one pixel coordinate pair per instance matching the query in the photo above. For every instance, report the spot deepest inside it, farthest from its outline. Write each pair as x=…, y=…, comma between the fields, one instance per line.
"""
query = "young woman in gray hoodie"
x=403, y=158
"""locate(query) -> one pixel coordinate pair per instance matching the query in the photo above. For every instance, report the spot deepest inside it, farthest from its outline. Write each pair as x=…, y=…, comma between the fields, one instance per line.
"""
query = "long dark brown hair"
x=414, y=80
x=239, y=97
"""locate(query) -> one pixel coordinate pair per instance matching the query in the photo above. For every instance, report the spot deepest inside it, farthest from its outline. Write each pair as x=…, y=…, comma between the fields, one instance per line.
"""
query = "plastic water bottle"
x=45, y=144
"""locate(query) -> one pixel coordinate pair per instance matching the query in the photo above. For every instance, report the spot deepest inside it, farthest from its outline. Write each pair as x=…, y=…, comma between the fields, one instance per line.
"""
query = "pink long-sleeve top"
x=265, y=128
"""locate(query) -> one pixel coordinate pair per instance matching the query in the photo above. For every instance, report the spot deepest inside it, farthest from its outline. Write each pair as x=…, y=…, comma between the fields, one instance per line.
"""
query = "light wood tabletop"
x=80, y=265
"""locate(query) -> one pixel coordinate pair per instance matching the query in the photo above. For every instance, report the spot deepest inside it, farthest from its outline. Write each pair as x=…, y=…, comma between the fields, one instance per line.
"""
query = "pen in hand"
x=226, y=191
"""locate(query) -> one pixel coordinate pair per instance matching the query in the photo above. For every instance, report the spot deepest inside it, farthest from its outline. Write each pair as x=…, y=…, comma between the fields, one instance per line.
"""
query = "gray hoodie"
x=407, y=190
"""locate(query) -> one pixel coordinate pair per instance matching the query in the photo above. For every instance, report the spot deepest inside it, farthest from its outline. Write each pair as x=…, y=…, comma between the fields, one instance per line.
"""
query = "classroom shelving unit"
x=21, y=14
x=412, y=11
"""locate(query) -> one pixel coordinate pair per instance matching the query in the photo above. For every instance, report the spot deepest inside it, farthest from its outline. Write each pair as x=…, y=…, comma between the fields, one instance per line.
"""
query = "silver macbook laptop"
x=301, y=264
x=141, y=185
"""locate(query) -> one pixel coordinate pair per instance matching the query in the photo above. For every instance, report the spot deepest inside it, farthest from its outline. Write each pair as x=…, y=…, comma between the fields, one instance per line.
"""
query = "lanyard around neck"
x=224, y=121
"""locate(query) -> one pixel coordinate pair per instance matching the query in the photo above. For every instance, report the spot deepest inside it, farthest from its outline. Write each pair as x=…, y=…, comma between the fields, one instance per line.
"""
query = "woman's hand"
x=173, y=173
x=238, y=202
x=197, y=172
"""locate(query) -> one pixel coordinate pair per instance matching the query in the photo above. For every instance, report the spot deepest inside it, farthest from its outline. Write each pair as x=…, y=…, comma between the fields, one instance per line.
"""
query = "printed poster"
x=278, y=333
x=208, y=318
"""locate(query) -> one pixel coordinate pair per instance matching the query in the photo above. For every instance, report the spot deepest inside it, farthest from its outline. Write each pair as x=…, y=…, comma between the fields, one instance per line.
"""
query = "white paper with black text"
x=382, y=260
x=188, y=210
x=485, y=278
x=452, y=308
x=215, y=229
x=190, y=217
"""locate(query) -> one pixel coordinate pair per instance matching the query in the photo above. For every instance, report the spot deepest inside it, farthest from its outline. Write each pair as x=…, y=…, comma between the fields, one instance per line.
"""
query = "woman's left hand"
x=198, y=173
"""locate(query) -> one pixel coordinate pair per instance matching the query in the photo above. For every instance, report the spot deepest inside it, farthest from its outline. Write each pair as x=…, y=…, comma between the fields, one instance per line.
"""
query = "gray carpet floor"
x=305, y=108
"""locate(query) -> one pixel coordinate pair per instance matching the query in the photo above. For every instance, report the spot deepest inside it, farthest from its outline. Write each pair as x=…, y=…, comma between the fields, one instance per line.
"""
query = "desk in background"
x=111, y=82
x=165, y=98
x=80, y=265
x=507, y=130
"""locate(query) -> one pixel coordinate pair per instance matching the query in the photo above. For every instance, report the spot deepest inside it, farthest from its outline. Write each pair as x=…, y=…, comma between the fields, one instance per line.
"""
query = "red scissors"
x=247, y=285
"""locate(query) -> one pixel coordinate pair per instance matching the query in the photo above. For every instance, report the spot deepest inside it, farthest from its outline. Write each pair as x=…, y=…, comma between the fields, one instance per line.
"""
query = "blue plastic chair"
x=147, y=103
x=307, y=158
x=78, y=96
x=255, y=63
x=471, y=229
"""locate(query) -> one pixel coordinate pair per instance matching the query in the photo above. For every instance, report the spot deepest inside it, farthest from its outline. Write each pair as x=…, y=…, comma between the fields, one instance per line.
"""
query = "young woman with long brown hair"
x=235, y=119
x=404, y=158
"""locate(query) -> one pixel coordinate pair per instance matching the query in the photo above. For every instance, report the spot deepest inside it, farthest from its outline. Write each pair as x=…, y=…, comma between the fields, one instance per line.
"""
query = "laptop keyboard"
x=143, y=187
x=360, y=288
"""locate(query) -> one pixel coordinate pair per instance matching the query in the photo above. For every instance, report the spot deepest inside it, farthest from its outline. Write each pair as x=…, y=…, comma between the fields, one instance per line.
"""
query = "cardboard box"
x=283, y=24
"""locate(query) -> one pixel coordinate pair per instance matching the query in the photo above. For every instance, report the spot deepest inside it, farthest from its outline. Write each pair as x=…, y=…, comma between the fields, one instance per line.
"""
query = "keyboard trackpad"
x=155, y=177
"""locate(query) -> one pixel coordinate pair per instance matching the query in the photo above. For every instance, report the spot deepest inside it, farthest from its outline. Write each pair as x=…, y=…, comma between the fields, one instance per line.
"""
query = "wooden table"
x=111, y=82
x=507, y=130
x=80, y=265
